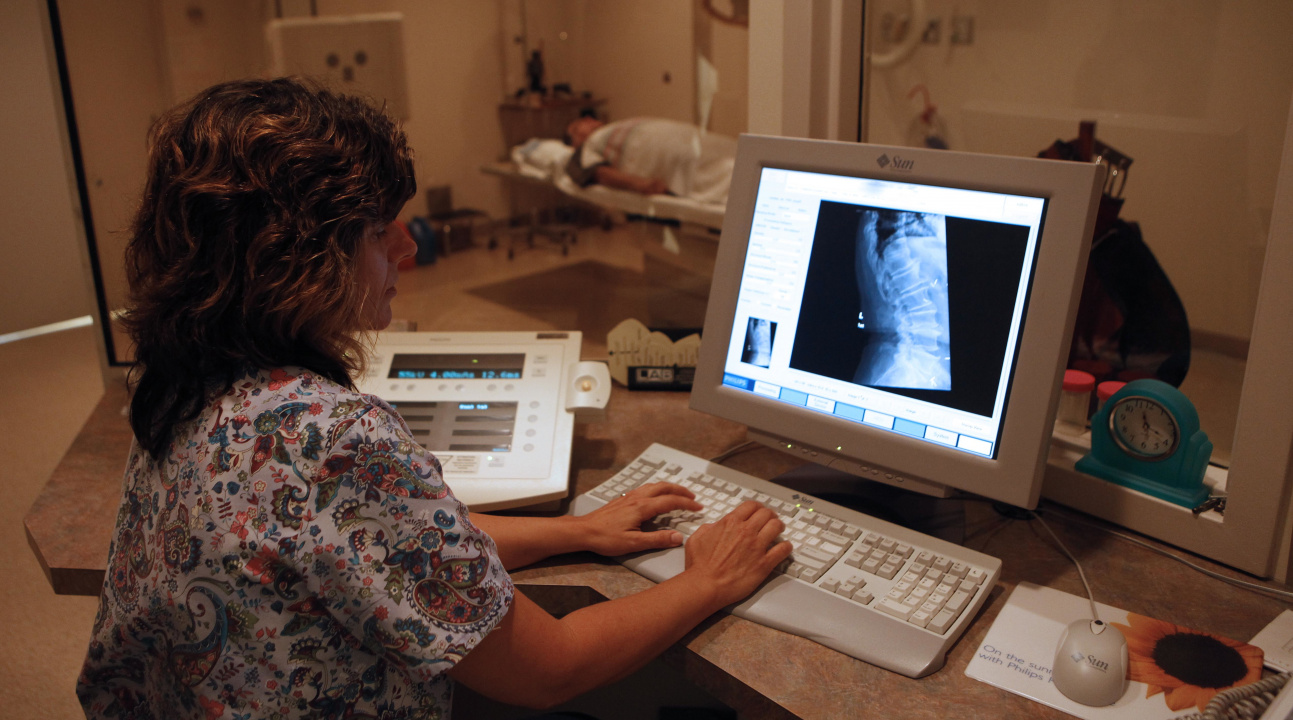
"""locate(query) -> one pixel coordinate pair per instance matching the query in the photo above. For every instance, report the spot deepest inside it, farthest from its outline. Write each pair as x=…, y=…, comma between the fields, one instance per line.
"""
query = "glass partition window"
x=1196, y=94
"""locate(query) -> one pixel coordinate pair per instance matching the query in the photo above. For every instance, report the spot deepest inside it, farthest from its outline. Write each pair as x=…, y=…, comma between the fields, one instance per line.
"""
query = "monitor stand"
x=943, y=518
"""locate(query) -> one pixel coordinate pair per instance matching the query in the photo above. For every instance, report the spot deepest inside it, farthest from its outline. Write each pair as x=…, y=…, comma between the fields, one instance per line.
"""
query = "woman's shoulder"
x=293, y=399
x=288, y=386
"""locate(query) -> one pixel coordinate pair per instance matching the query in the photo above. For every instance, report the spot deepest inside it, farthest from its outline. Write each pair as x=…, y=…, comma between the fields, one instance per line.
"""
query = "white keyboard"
x=882, y=593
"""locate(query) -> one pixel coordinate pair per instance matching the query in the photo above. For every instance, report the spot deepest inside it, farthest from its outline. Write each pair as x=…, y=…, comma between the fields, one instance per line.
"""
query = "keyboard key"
x=958, y=600
x=817, y=554
x=808, y=561
x=833, y=537
x=942, y=621
x=894, y=608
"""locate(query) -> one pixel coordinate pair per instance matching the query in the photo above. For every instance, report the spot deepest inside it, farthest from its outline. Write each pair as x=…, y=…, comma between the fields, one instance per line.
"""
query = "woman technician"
x=283, y=547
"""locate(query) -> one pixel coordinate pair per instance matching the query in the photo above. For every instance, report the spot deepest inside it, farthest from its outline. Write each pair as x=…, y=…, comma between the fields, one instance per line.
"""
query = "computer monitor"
x=900, y=314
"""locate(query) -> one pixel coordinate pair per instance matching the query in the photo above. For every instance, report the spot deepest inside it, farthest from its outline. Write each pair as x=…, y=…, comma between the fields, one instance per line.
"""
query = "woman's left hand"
x=616, y=528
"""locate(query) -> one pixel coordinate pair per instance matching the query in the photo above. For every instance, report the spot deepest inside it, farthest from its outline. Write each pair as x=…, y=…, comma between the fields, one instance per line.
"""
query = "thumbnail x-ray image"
x=901, y=265
x=758, y=342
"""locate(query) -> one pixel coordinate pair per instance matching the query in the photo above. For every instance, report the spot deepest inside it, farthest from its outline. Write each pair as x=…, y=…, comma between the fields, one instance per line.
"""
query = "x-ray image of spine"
x=758, y=342
x=901, y=264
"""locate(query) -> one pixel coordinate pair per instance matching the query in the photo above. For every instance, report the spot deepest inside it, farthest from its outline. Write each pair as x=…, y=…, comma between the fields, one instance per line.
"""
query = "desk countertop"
x=760, y=672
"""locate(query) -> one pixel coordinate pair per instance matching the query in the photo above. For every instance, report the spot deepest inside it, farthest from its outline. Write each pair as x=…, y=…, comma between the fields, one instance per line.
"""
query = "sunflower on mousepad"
x=1189, y=667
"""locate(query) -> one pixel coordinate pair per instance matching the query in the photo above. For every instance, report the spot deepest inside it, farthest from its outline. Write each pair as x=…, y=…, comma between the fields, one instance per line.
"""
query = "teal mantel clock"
x=1147, y=438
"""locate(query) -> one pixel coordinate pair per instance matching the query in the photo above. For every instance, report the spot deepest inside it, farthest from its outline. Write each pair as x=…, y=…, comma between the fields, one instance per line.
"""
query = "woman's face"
x=381, y=250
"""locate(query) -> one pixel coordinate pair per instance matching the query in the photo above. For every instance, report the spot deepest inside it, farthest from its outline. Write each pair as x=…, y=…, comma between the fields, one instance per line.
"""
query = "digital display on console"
x=445, y=366
x=893, y=304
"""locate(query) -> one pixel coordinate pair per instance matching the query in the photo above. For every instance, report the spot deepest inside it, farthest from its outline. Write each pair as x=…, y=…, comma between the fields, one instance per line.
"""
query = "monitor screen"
x=904, y=318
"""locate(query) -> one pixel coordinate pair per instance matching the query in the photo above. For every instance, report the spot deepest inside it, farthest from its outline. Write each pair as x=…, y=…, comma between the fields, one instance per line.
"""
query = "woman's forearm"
x=534, y=660
x=523, y=540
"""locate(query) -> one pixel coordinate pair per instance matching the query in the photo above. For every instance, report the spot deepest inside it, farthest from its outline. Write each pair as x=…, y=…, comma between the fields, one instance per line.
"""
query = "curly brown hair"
x=244, y=251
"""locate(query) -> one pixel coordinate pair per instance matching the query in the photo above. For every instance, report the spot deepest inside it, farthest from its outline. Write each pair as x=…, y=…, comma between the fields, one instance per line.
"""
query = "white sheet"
x=692, y=163
x=545, y=161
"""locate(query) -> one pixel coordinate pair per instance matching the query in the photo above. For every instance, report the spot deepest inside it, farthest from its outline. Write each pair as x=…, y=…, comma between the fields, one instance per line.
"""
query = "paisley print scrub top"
x=296, y=554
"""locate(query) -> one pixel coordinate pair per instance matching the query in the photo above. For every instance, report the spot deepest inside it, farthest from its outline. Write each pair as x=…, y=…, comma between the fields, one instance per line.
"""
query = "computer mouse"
x=1091, y=663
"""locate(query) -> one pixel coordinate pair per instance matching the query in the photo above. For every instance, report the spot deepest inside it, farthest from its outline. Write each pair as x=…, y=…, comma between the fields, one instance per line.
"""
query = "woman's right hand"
x=736, y=553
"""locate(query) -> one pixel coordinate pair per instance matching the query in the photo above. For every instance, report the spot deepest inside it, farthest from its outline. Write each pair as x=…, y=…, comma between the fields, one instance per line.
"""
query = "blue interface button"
x=850, y=412
x=737, y=381
x=907, y=427
x=794, y=396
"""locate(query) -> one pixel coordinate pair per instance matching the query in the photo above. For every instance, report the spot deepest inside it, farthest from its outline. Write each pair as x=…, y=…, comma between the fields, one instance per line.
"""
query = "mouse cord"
x=1090, y=597
x=1284, y=594
x=1245, y=701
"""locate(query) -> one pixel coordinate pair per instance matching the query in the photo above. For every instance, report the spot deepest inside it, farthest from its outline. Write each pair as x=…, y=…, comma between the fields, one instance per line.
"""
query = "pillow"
x=542, y=158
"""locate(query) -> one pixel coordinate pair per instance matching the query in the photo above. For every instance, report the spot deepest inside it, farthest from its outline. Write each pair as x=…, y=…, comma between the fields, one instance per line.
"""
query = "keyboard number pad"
x=932, y=592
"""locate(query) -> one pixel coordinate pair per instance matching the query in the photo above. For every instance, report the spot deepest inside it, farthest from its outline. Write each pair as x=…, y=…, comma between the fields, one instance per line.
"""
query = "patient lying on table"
x=652, y=156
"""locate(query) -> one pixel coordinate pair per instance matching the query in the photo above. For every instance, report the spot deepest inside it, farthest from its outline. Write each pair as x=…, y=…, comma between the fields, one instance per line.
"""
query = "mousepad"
x=1174, y=671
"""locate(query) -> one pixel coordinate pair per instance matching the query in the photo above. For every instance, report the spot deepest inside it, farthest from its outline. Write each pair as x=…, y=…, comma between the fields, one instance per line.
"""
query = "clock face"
x=1143, y=428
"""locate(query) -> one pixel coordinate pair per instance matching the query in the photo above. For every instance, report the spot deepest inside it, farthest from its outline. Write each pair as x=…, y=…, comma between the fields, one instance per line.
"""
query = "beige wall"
x=131, y=59
x=114, y=63
x=42, y=275
x=1196, y=92
x=452, y=60
x=206, y=41
x=727, y=48
x=638, y=56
